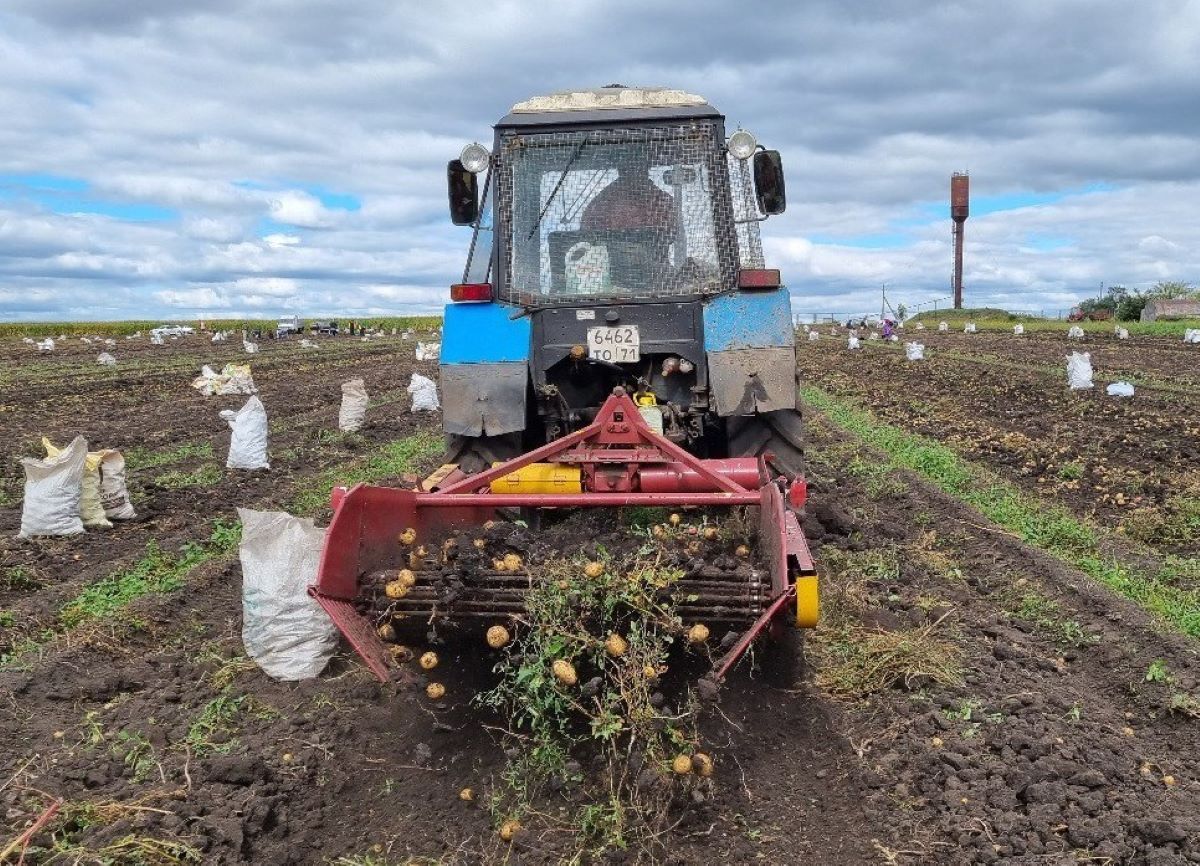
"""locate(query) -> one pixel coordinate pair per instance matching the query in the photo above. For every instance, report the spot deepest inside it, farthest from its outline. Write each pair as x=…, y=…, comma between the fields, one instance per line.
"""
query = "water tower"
x=960, y=208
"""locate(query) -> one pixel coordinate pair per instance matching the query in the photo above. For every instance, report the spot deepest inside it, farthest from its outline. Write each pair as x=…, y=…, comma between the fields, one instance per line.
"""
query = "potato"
x=435, y=691
x=406, y=577
x=400, y=653
x=395, y=589
x=742, y=550
x=675, y=519
x=429, y=660
x=593, y=569
x=498, y=565
x=702, y=764
x=650, y=672
x=466, y=795
x=480, y=543
x=693, y=547
x=564, y=672
x=697, y=633
x=408, y=537
x=512, y=562
x=711, y=533
x=509, y=829
x=564, y=584
x=616, y=645
x=682, y=765
x=386, y=632
x=658, y=531
x=497, y=636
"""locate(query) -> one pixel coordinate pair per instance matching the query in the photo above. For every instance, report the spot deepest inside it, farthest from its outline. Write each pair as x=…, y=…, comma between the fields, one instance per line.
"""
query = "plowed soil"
x=967, y=699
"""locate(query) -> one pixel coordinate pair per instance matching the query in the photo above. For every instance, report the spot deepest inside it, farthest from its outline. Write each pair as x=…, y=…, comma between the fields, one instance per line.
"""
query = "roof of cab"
x=603, y=104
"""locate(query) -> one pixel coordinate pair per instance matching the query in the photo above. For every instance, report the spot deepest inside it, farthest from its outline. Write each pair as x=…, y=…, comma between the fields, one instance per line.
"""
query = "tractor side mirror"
x=768, y=182
x=463, y=187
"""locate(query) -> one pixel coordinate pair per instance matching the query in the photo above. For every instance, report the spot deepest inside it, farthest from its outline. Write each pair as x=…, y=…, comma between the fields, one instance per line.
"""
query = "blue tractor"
x=616, y=341
x=616, y=244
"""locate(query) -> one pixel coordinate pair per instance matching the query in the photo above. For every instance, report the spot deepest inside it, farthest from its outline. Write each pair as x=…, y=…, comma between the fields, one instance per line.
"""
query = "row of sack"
x=73, y=489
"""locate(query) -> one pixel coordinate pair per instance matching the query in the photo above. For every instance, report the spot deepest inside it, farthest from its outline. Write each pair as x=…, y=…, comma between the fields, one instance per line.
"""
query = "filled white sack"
x=354, y=406
x=53, y=489
x=852, y=343
x=1079, y=371
x=1075, y=332
x=1120, y=389
x=106, y=359
x=424, y=394
x=248, y=444
x=914, y=351
x=284, y=630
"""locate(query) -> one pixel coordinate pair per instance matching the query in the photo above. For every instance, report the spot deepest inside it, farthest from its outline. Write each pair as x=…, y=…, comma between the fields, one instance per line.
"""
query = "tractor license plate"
x=619, y=345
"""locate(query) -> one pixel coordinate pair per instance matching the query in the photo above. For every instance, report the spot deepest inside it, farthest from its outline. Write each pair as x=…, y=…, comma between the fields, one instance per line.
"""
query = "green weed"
x=143, y=458
x=1047, y=616
x=1070, y=472
x=389, y=461
x=1158, y=672
x=206, y=475
x=156, y=572
x=213, y=729
x=17, y=577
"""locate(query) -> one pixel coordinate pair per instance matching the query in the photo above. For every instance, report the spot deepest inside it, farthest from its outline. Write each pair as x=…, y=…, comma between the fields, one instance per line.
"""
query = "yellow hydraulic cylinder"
x=540, y=478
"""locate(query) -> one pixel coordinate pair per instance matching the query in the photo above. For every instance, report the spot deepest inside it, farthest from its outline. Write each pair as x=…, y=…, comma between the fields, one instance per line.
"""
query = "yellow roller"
x=808, y=604
x=540, y=478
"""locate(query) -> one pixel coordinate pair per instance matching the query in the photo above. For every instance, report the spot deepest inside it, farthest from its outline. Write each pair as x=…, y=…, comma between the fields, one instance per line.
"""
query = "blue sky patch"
x=69, y=195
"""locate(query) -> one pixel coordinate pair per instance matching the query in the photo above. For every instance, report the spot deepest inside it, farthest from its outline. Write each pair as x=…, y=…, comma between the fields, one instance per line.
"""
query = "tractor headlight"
x=741, y=144
x=475, y=157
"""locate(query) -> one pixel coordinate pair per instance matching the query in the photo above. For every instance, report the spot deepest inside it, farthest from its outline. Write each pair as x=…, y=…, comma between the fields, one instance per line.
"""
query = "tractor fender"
x=751, y=351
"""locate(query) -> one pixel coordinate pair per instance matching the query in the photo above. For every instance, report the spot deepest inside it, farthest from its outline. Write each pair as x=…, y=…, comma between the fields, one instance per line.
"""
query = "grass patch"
x=989, y=319
x=144, y=458
x=1047, y=526
x=1176, y=523
x=393, y=459
x=209, y=473
x=1046, y=615
x=156, y=572
x=17, y=577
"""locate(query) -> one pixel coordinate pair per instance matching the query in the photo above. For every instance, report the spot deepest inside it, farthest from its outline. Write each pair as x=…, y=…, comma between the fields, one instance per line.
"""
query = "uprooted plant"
x=583, y=685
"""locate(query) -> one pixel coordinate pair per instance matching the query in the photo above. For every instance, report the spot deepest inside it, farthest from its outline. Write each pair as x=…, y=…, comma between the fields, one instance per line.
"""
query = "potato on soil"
x=386, y=632
x=400, y=653
x=497, y=636
x=435, y=691
x=697, y=633
x=593, y=569
x=395, y=589
x=711, y=533
x=564, y=672
x=682, y=765
x=512, y=562
x=408, y=537
x=702, y=764
x=742, y=550
x=466, y=795
x=675, y=519
x=480, y=543
x=615, y=645
x=509, y=829
x=406, y=577
x=429, y=660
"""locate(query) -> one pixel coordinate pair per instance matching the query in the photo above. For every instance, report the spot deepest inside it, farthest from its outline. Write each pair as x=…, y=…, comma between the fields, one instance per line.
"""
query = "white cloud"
x=200, y=298
x=300, y=209
x=280, y=240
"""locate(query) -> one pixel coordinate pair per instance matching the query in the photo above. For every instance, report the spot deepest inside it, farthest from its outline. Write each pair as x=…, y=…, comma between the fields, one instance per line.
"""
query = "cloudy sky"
x=231, y=157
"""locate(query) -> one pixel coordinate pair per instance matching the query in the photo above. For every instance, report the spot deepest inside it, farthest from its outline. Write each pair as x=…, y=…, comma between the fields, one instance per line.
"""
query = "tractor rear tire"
x=475, y=453
x=780, y=432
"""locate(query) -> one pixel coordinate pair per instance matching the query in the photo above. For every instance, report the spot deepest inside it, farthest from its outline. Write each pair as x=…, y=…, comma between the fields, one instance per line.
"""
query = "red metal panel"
x=357, y=630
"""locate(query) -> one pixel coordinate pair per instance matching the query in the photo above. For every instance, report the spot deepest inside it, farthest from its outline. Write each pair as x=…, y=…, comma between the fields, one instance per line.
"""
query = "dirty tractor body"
x=617, y=340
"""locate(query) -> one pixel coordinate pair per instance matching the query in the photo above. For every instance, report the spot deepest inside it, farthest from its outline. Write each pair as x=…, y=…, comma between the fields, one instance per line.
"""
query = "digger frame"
x=613, y=453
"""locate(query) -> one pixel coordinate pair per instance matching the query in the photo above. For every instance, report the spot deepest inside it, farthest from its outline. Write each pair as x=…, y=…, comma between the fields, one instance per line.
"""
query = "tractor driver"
x=632, y=201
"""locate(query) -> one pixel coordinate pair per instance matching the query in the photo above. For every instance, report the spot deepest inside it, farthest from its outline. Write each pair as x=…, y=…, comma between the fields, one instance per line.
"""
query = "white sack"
x=110, y=342
x=251, y=348
x=1191, y=335
x=852, y=343
x=969, y=328
x=156, y=340
x=872, y=335
x=284, y=630
x=114, y=495
x=1079, y=371
x=424, y=394
x=428, y=351
x=1075, y=332
x=248, y=444
x=813, y=336
x=1123, y=334
x=914, y=351
x=1018, y=329
x=306, y=343
x=46, y=345
x=27, y=340
x=219, y=337
x=919, y=326
x=106, y=359
x=943, y=326
x=53, y=488
x=1120, y=389
x=354, y=406
x=233, y=379
x=893, y=339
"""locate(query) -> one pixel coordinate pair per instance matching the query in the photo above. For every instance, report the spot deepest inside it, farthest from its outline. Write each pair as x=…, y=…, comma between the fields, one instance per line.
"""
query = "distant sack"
x=424, y=393
x=248, y=444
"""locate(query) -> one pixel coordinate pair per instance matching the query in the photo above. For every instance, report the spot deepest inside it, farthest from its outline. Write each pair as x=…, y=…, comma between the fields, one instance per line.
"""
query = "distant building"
x=1179, y=309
